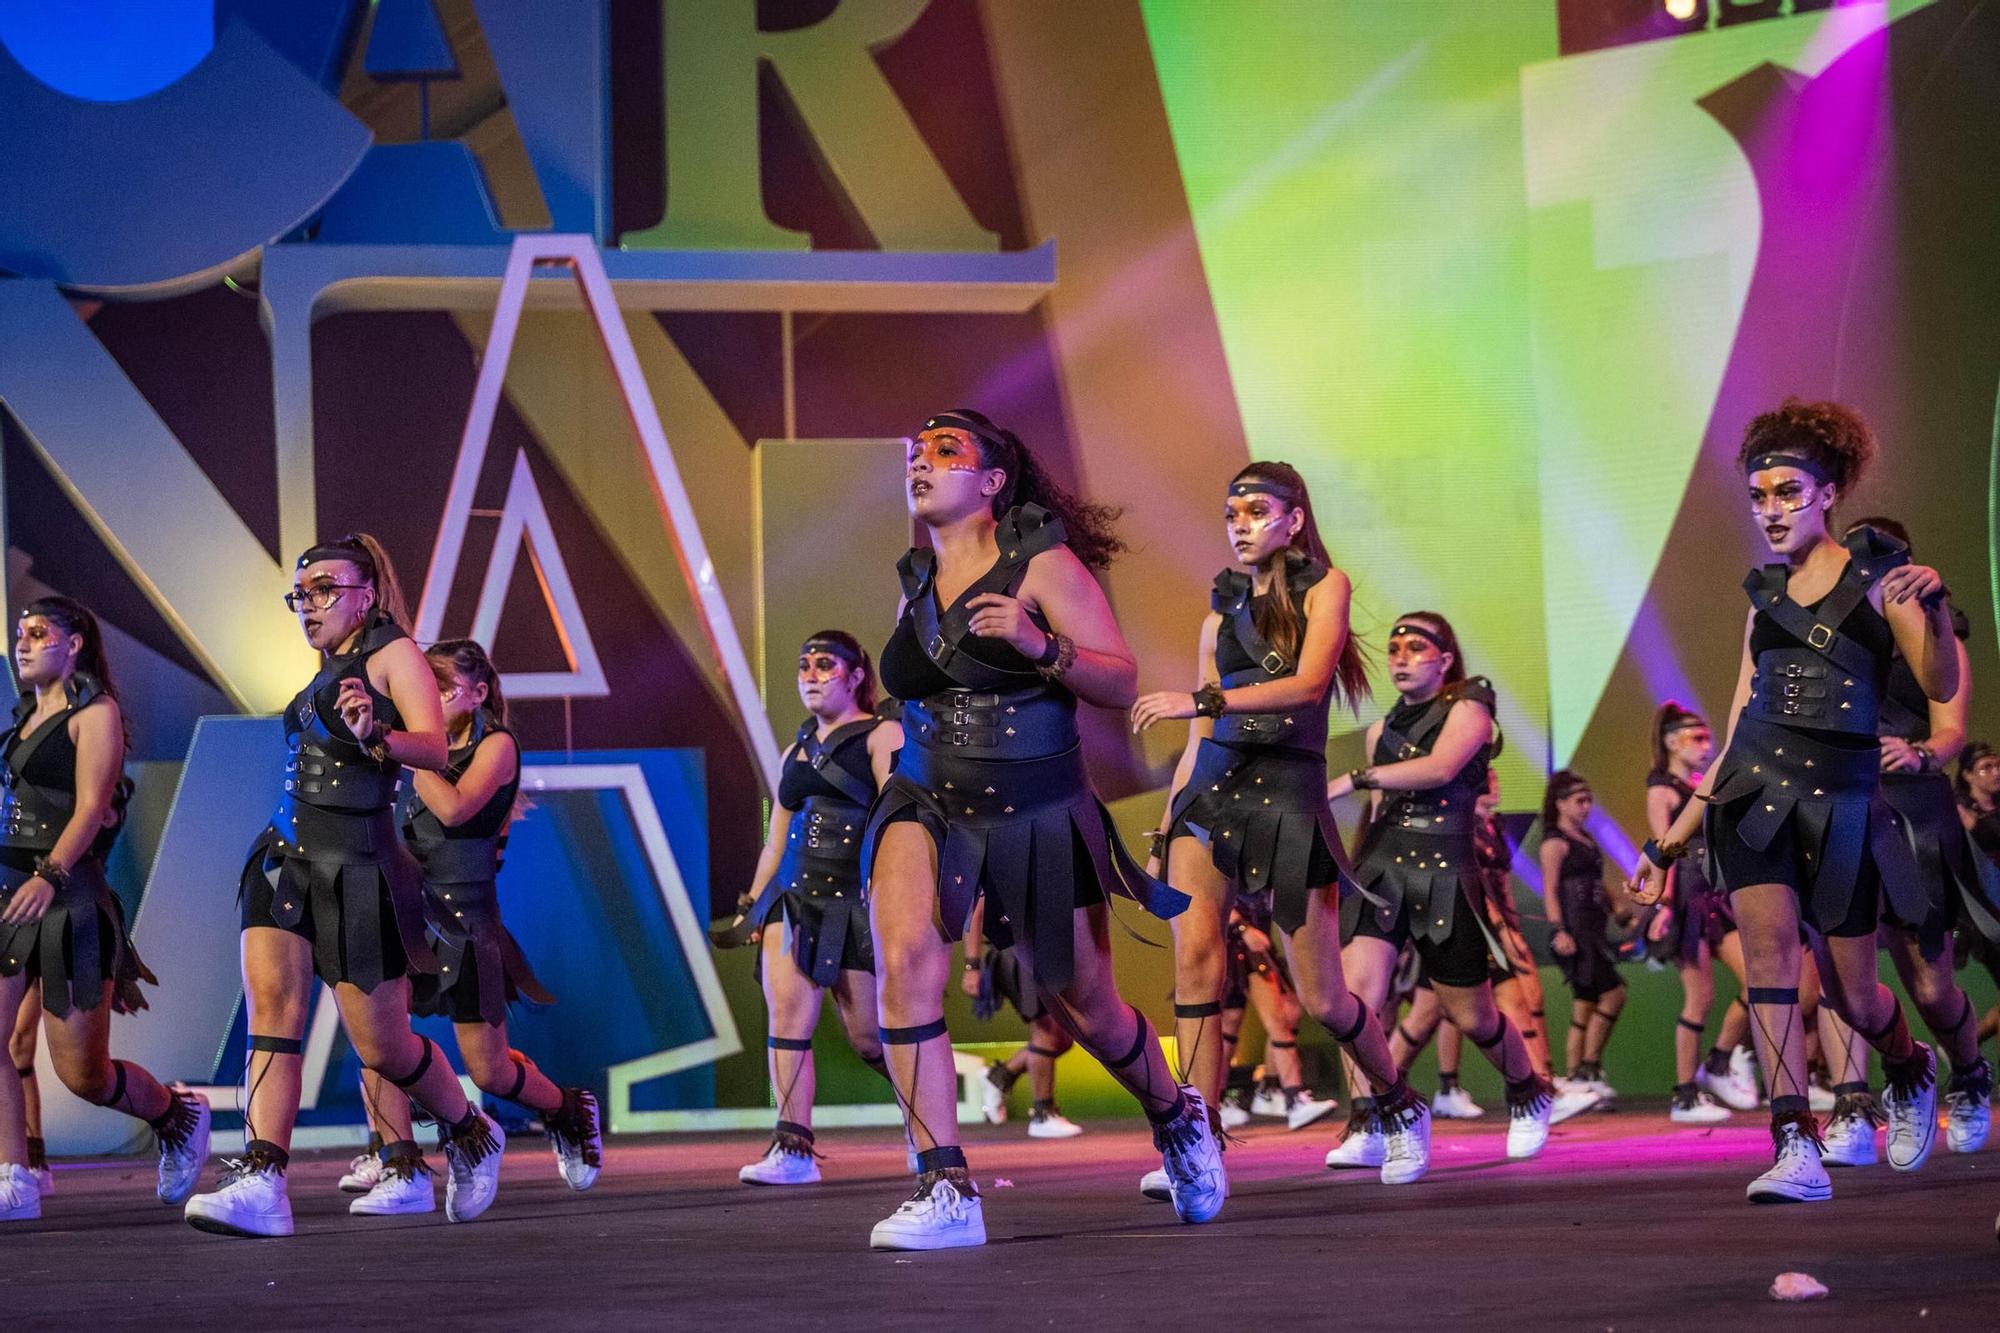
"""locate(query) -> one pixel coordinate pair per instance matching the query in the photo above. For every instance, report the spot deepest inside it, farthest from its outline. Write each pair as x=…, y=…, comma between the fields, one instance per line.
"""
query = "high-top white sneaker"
x=1819, y=1098
x=45, y=1180
x=1796, y=1175
x=1455, y=1103
x=183, y=1148
x=364, y=1173
x=1733, y=1091
x=993, y=1089
x=1696, y=1108
x=937, y=1217
x=20, y=1197
x=1233, y=1114
x=1364, y=1148
x=1849, y=1136
x=1052, y=1124
x=1406, y=1144
x=781, y=1164
x=1911, y=1106
x=1193, y=1161
x=1570, y=1102
x=1528, y=1123
x=1269, y=1101
x=405, y=1185
x=576, y=1134
x=250, y=1200
x=1968, y=1114
x=1305, y=1109
x=472, y=1168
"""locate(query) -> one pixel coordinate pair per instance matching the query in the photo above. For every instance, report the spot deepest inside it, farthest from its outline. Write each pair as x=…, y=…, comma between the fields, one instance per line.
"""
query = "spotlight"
x=1681, y=9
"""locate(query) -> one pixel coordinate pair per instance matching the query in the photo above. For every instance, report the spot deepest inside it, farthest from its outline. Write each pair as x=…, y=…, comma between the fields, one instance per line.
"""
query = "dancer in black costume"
x=1796, y=825
x=1001, y=631
x=456, y=825
x=1247, y=812
x=62, y=931
x=1420, y=877
x=1692, y=928
x=994, y=977
x=806, y=897
x=1580, y=914
x=330, y=889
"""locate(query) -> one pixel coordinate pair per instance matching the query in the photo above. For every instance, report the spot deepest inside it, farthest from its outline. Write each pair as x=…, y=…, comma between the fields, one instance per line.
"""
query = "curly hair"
x=1832, y=435
x=1086, y=523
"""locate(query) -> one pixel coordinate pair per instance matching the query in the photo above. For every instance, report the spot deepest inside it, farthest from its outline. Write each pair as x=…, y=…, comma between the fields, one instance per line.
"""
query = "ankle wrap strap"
x=1043, y=1051
x=1774, y=995
x=1141, y=1031
x=913, y=1036
x=1209, y=1010
x=1691, y=1025
x=1493, y=1038
x=521, y=1068
x=1282, y=1045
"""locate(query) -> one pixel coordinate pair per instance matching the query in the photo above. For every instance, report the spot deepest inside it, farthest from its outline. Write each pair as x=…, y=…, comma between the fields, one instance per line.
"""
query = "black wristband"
x=1208, y=701
x=1051, y=650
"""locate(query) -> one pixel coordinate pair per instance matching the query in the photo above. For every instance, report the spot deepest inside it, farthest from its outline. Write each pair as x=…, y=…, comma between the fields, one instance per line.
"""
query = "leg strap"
x=1895, y=1016
x=411, y=1079
x=1210, y=1010
x=940, y=1159
x=917, y=1035
x=1360, y=1021
x=277, y=1045
x=1691, y=1025
x=1774, y=995
x=521, y=1068
x=1282, y=1045
x=792, y=1043
x=1493, y=1038
x=1043, y=1051
x=1408, y=1035
x=27, y=1071
x=1142, y=1030
x=117, y=1085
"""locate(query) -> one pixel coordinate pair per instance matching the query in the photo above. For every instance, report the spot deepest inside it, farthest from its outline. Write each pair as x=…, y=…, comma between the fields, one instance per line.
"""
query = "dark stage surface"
x=1625, y=1222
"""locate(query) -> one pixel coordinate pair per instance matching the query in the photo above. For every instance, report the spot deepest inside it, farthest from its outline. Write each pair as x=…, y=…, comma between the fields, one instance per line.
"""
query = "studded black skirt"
x=829, y=932
x=77, y=945
x=481, y=969
x=1263, y=811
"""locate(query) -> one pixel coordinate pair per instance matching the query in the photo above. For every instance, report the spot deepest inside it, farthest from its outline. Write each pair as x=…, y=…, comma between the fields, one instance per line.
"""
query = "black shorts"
x=1782, y=862
x=1461, y=959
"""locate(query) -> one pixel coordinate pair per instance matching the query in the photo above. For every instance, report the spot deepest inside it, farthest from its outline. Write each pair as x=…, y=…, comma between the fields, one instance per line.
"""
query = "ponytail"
x=1276, y=617
x=1670, y=717
x=469, y=660
x=366, y=553
x=73, y=617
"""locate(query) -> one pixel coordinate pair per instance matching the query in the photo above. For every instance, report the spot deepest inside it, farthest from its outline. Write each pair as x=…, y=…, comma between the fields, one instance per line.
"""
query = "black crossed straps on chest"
x=819, y=753
x=1402, y=744
x=378, y=633
x=1022, y=535
x=1871, y=555
x=1232, y=598
x=19, y=747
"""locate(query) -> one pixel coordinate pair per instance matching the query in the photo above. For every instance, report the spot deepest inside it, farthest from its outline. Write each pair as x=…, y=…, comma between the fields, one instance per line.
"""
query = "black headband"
x=352, y=552
x=1685, y=722
x=1411, y=627
x=987, y=435
x=838, y=649
x=1775, y=458
x=1254, y=486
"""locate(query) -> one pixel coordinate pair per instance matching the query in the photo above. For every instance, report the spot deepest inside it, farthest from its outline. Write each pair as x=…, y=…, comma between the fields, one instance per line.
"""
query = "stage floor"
x=1625, y=1222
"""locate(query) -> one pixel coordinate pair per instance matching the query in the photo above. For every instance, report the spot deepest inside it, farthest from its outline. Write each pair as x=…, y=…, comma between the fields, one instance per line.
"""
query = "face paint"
x=945, y=450
x=817, y=668
x=1781, y=494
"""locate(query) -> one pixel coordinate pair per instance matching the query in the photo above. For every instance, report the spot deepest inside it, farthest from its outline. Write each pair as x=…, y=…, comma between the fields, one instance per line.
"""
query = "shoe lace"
x=1859, y=1106
x=1909, y=1078
x=1792, y=1131
x=951, y=1203
x=1972, y=1086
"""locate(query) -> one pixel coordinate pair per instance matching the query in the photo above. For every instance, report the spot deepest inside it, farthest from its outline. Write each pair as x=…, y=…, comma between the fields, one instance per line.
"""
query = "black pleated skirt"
x=829, y=933
x=77, y=945
x=1028, y=834
x=1947, y=862
x=1264, y=813
x=481, y=969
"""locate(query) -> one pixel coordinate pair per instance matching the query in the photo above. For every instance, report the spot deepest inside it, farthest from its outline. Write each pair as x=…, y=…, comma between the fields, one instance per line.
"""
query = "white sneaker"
x=1569, y=1103
x=1193, y=1161
x=364, y=1173
x=1850, y=1134
x=1407, y=1144
x=250, y=1201
x=936, y=1217
x=993, y=1097
x=472, y=1168
x=1968, y=1115
x=781, y=1165
x=1699, y=1109
x=20, y=1197
x=1603, y=1091
x=1819, y=1099
x=1305, y=1109
x=1269, y=1101
x=1455, y=1104
x=1796, y=1175
x=1156, y=1186
x=1053, y=1125
x=1528, y=1125
x=1912, y=1111
x=1736, y=1093
x=183, y=1149
x=45, y=1180
x=1364, y=1148
x=407, y=1187
x=1233, y=1115
x=578, y=1141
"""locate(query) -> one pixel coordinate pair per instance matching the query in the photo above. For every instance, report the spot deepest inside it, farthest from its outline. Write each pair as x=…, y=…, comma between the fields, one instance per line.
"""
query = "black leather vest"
x=470, y=852
x=823, y=846
x=1231, y=598
x=34, y=814
x=328, y=768
x=1822, y=679
x=1448, y=810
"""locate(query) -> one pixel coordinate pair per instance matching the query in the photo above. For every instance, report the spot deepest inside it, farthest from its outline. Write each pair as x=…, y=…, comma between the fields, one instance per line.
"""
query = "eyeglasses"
x=320, y=596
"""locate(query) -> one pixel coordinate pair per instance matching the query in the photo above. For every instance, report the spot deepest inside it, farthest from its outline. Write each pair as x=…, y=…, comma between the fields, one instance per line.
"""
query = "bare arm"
x=401, y=671
x=1199, y=728
x=494, y=764
x=1648, y=881
x=1951, y=719
x=773, y=851
x=1660, y=818
x=1551, y=856
x=1923, y=633
x=1326, y=607
x=1068, y=598
x=883, y=742
x=99, y=733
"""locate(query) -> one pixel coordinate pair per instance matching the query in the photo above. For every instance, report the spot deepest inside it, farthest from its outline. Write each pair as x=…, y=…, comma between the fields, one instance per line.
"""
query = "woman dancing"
x=457, y=828
x=993, y=977
x=1692, y=928
x=1796, y=826
x=1000, y=632
x=62, y=930
x=1247, y=812
x=1580, y=913
x=1420, y=875
x=329, y=889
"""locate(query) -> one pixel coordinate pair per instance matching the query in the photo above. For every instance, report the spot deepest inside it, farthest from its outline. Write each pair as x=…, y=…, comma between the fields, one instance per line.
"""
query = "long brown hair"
x=73, y=617
x=469, y=660
x=1086, y=524
x=1671, y=716
x=857, y=660
x=1277, y=618
x=1455, y=677
x=366, y=553
x=1563, y=784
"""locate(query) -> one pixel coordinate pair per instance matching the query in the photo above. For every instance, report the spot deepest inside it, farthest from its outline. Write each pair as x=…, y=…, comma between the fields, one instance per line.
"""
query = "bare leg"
x=500, y=1071
x=21, y=1054
x=13, y=1121
x=912, y=958
x=1471, y=1009
x=1200, y=966
x=793, y=1002
x=1111, y=1030
x=1768, y=921
x=1697, y=997
x=1045, y=1035
x=378, y=1022
x=1928, y=980
x=1414, y=1030
x=1369, y=965
x=277, y=987
x=1603, y=1018
x=80, y=1049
